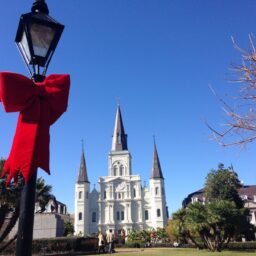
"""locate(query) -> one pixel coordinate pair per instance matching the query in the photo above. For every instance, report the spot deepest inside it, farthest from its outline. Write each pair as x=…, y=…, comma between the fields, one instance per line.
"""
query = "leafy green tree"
x=10, y=202
x=181, y=228
x=178, y=223
x=216, y=222
x=43, y=193
x=171, y=231
x=221, y=217
x=223, y=184
x=68, y=228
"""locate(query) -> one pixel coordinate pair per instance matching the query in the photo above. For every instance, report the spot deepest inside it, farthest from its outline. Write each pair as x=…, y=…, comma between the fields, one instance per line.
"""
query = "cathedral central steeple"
x=119, y=138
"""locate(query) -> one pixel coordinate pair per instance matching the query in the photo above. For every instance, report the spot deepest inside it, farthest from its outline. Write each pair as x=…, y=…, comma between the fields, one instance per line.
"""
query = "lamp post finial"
x=40, y=6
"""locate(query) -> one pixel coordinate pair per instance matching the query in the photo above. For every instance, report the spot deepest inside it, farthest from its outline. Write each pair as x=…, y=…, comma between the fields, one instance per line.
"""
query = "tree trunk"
x=4, y=210
x=228, y=240
x=194, y=241
x=10, y=225
x=8, y=243
x=204, y=240
x=208, y=239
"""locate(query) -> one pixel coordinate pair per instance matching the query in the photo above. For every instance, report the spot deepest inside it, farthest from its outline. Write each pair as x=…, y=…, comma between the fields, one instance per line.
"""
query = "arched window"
x=105, y=194
x=158, y=213
x=134, y=192
x=115, y=170
x=121, y=170
x=122, y=215
x=94, y=217
x=118, y=215
x=146, y=214
x=156, y=191
x=80, y=216
x=80, y=194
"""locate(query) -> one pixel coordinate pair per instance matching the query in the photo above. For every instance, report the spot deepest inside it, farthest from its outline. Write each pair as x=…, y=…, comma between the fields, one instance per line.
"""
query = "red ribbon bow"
x=40, y=105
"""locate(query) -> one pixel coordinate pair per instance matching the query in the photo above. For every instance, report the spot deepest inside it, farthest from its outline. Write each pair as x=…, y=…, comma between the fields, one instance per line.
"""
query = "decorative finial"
x=39, y=6
x=118, y=101
x=94, y=185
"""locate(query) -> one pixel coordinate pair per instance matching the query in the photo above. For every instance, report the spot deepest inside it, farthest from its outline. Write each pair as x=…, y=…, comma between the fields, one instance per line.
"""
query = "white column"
x=140, y=212
x=109, y=214
x=126, y=212
x=111, y=191
x=99, y=213
x=127, y=191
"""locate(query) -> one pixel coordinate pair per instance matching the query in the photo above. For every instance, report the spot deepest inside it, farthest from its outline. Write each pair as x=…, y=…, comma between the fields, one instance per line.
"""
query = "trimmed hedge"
x=242, y=246
x=131, y=244
x=60, y=245
x=89, y=244
x=232, y=246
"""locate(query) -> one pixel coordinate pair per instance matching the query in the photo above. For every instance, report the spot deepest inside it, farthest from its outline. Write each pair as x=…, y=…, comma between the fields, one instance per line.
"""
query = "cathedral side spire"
x=82, y=175
x=156, y=167
x=119, y=138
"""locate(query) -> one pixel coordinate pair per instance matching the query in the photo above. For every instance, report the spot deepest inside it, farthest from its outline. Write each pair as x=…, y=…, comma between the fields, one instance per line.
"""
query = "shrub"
x=62, y=244
x=134, y=244
x=242, y=246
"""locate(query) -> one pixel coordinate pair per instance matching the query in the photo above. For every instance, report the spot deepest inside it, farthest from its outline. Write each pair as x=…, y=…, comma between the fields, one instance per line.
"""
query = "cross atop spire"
x=119, y=138
x=156, y=167
x=82, y=175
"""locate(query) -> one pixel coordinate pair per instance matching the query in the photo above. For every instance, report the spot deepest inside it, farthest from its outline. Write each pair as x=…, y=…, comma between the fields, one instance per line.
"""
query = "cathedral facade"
x=121, y=202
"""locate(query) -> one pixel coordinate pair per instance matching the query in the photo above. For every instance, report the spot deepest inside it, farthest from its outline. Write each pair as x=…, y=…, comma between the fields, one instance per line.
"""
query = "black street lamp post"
x=37, y=38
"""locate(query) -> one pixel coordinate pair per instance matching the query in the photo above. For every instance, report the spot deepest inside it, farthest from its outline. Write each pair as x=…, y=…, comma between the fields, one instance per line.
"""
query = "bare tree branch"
x=240, y=127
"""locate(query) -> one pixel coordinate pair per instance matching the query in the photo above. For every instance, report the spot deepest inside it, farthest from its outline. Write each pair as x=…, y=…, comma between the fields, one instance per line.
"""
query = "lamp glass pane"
x=42, y=37
x=23, y=44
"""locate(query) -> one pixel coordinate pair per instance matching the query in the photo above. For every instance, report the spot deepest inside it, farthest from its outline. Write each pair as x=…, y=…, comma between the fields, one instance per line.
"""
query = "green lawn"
x=178, y=252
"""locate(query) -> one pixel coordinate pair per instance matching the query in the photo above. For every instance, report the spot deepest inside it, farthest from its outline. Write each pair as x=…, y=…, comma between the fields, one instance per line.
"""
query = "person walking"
x=101, y=246
x=110, y=240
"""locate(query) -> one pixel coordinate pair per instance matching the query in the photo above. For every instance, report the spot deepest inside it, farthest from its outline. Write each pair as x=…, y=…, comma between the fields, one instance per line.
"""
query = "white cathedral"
x=121, y=203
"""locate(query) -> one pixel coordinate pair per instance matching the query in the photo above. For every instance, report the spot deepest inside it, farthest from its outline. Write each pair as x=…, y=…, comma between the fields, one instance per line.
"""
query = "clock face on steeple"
x=120, y=187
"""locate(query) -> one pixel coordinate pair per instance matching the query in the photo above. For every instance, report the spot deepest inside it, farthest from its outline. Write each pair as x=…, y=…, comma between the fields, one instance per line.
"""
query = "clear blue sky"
x=159, y=58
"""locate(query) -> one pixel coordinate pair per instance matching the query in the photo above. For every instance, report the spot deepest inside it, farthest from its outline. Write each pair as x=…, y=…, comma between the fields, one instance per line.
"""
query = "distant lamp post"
x=37, y=38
